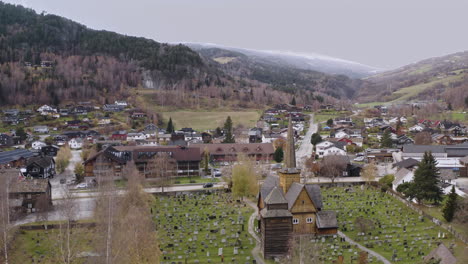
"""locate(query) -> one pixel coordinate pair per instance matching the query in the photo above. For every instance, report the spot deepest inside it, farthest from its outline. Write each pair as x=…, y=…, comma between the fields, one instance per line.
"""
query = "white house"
x=46, y=108
x=41, y=129
x=135, y=136
x=403, y=175
x=416, y=128
x=121, y=103
x=320, y=147
x=341, y=134
x=333, y=151
x=37, y=145
x=104, y=121
x=75, y=143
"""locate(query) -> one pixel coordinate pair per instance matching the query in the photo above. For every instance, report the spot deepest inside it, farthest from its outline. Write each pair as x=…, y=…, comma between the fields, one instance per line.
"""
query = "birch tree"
x=6, y=228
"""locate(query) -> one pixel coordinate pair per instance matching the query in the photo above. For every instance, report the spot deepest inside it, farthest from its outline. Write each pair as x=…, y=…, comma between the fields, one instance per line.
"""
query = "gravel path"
x=373, y=253
x=256, y=251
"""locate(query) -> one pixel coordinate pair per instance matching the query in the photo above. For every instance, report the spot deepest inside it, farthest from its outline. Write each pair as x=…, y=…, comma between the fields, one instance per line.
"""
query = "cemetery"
x=384, y=224
x=203, y=227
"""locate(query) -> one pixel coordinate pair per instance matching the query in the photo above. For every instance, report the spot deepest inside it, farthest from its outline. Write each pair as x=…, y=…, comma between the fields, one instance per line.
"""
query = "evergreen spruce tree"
x=293, y=101
x=315, y=139
x=170, y=126
x=425, y=185
x=278, y=155
x=228, y=137
x=386, y=141
x=451, y=206
x=330, y=122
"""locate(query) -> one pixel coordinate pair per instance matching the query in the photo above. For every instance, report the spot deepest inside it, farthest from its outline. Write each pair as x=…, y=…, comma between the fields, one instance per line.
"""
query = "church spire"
x=290, y=161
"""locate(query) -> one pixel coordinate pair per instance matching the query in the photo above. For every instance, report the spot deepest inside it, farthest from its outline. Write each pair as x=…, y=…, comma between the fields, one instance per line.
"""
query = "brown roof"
x=30, y=186
x=235, y=148
x=178, y=153
x=442, y=253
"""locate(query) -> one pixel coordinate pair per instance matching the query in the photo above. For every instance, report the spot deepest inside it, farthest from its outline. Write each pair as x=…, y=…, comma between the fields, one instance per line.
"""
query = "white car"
x=360, y=158
x=82, y=186
x=217, y=173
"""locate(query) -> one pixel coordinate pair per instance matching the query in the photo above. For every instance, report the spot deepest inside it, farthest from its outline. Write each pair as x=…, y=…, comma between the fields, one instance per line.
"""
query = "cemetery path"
x=371, y=252
x=256, y=251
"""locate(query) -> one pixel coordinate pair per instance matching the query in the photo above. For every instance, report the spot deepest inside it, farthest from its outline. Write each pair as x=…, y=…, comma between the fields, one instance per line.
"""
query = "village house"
x=121, y=103
x=380, y=155
x=75, y=143
x=37, y=145
x=45, y=110
x=229, y=152
x=102, y=121
x=288, y=208
x=49, y=150
x=416, y=128
x=113, y=108
x=40, y=167
x=119, y=135
x=26, y=194
x=403, y=175
x=187, y=159
x=15, y=158
x=6, y=140
x=135, y=136
x=327, y=148
x=41, y=129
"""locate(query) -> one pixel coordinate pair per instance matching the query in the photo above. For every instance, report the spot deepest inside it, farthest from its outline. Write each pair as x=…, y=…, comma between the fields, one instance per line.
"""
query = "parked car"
x=360, y=158
x=217, y=173
x=82, y=186
x=276, y=166
x=208, y=185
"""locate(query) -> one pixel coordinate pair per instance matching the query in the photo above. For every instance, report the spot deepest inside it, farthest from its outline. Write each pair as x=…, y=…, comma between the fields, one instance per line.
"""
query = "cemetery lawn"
x=31, y=246
x=196, y=225
x=397, y=232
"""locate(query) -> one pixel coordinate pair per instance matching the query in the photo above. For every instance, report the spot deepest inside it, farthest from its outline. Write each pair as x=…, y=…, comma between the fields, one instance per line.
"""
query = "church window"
x=309, y=220
x=295, y=221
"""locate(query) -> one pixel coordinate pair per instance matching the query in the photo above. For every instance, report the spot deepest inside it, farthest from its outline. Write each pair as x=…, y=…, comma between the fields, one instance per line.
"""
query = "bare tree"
x=363, y=224
x=43, y=206
x=105, y=210
x=423, y=138
x=333, y=166
x=303, y=250
x=162, y=167
x=7, y=178
x=67, y=244
x=369, y=172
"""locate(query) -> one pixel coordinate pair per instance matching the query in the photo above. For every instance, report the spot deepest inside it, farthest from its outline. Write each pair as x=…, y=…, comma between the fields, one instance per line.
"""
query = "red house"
x=119, y=135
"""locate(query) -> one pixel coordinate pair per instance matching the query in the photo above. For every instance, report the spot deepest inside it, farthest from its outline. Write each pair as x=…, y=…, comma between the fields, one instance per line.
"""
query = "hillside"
x=302, y=61
x=51, y=59
x=83, y=63
x=308, y=84
x=442, y=78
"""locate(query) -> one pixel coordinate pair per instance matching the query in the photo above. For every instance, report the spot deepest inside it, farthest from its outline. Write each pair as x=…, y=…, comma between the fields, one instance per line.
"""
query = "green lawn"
x=193, y=227
x=393, y=225
x=210, y=120
x=40, y=246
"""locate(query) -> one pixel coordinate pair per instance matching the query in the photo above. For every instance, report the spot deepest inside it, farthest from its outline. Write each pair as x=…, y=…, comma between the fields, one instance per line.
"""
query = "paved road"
x=69, y=174
x=305, y=148
x=371, y=252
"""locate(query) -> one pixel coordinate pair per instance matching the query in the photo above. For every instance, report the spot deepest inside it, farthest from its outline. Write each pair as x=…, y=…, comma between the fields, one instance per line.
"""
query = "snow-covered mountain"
x=315, y=62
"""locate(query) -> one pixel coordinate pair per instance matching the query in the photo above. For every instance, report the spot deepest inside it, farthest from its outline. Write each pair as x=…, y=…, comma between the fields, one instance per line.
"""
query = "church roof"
x=326, y=219
x=315, y=194
x=292, y=194
x=275, y=213
x=268, y=185
x=276, y=197
x=442, y=253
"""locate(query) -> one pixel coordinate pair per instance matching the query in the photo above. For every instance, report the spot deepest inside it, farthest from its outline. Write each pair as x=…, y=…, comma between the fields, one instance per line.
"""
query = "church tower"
x=289, y=174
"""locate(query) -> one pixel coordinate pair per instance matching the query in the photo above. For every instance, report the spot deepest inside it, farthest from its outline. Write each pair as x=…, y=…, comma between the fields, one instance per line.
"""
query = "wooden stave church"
x=288, y=208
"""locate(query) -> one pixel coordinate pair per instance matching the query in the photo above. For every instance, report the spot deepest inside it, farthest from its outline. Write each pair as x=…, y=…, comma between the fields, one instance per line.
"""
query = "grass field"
x=40, y=246
x=210, y=120
x=205, y=223
x=392, y=225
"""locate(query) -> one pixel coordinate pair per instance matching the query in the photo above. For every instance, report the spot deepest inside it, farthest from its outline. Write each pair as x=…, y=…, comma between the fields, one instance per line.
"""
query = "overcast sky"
x=381, y=33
